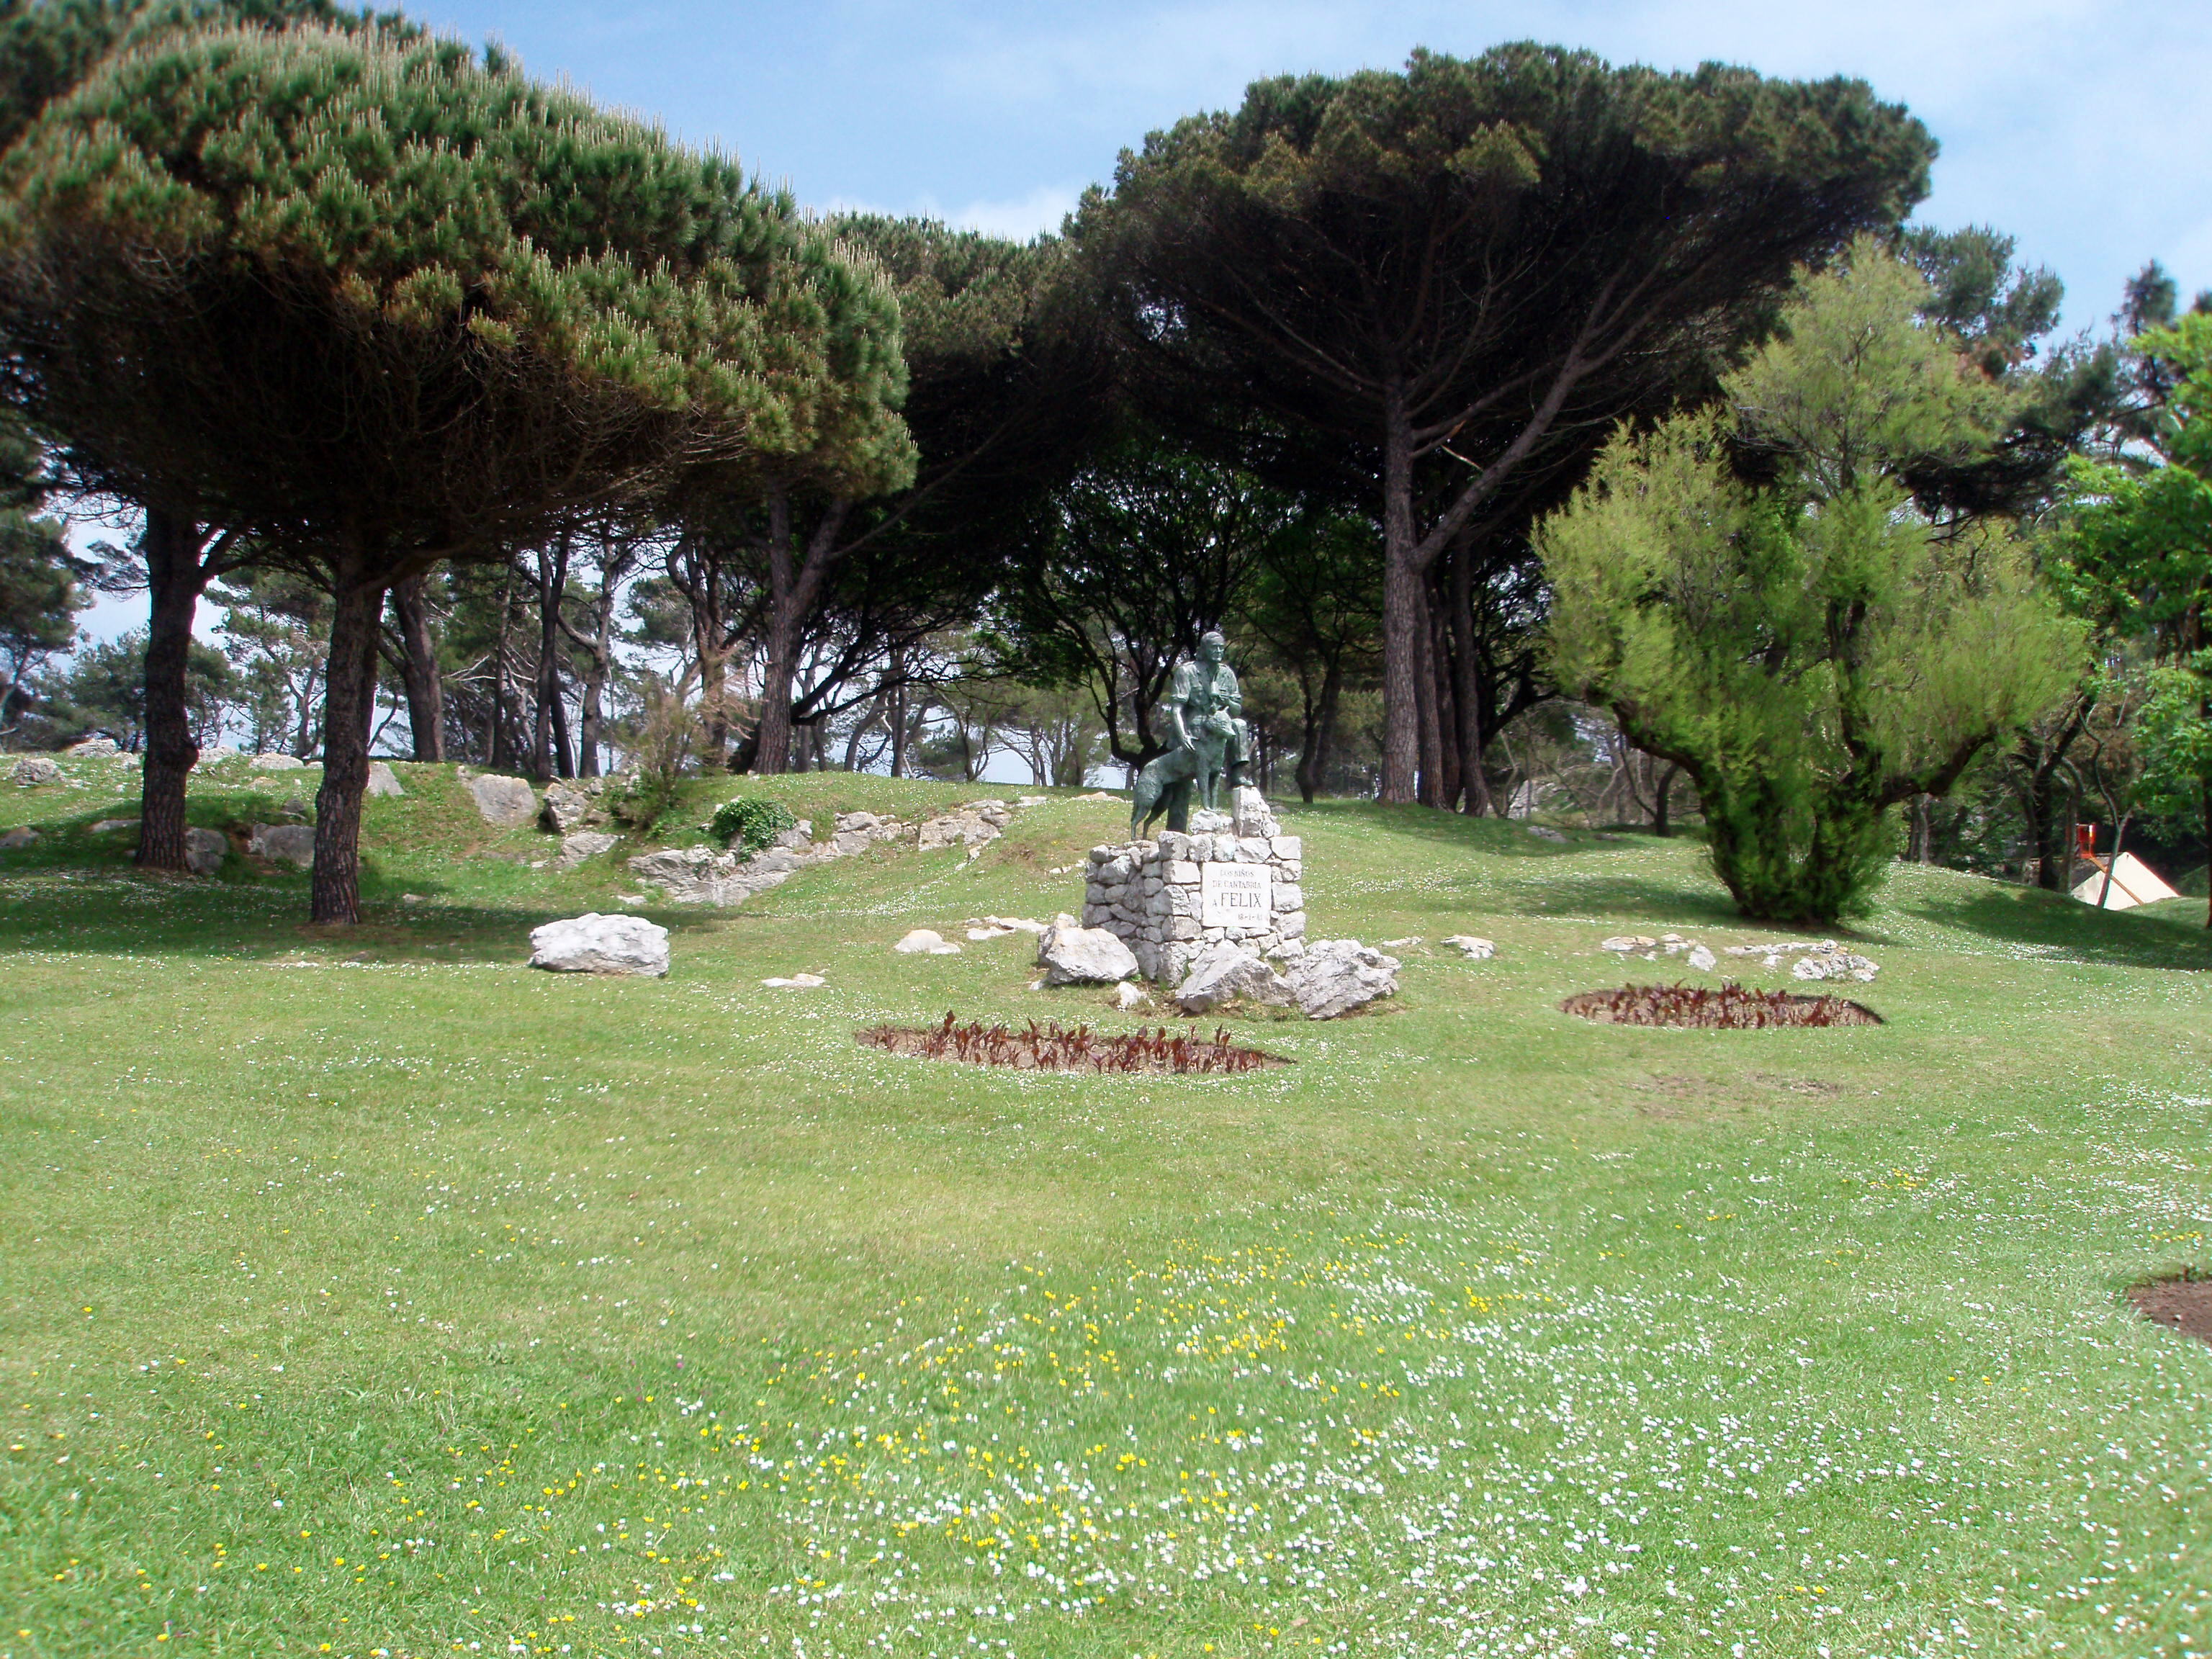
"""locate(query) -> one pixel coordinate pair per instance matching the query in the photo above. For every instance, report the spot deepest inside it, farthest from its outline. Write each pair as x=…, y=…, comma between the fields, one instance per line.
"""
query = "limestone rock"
x=382, y=782
x=570, y=804
x=1702, y=958
x=973, y=826
x=1127, y=995
x=1544, y=832
x=1203, y=822
x=20, y=837
x=283, y=843
x=584, y=844
x=205, y=850
x=1336, y=975
x=94, y=746
x=594, y=944
x=509, y=803
x=797, y=983
x=109, y=826
x=1229, y=972
x=924, y=941
x=1834, y=963
x=34, y=769
x=277, y=763
x=1474, y=949
x=1251, y=814
x=1628, y=943
x=1073, y=956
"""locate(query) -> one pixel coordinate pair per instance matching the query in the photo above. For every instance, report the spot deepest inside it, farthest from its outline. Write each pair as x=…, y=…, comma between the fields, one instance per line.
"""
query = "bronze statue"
x=1206, y=742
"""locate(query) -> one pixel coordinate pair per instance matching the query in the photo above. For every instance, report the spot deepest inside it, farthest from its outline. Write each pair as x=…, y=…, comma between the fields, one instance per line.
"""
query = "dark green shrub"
x=753, y=823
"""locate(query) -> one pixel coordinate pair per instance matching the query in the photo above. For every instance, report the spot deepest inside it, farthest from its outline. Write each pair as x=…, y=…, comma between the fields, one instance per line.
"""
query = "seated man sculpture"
x=1207, y=743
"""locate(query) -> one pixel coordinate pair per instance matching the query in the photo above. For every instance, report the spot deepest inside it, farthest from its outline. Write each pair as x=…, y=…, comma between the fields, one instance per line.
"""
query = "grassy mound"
x=367, y=1290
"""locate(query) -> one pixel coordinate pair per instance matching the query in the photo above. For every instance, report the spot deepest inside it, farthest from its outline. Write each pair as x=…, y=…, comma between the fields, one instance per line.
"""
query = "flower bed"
x=1057, y=1049
x=1729, y=1007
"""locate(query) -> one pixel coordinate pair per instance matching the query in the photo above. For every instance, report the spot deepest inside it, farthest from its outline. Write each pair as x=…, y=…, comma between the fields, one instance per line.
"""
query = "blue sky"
x=2082, y=127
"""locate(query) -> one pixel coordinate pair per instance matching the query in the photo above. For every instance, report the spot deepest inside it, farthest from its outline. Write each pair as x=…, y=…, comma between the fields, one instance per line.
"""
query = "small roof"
x=2133, y=882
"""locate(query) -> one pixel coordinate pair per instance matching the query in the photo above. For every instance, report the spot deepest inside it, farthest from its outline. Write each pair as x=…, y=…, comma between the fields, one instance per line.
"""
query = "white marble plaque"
x=1234, y=895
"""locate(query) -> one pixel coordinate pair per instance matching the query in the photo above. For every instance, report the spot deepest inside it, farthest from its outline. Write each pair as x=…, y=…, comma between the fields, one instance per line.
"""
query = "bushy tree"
x=1753, y=593
x=2141, y=550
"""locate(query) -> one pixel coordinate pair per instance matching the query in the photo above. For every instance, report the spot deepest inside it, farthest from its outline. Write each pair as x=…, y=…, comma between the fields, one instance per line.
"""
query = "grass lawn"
x=367, y=1294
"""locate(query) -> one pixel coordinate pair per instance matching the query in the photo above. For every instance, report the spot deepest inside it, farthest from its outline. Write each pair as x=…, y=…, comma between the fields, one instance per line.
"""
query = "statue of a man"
x=1207, y=743
x=1203, y=698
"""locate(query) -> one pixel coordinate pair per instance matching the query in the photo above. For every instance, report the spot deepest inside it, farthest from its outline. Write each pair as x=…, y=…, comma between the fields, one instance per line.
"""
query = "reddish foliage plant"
x=1057, y=1049
x=1730, y=1007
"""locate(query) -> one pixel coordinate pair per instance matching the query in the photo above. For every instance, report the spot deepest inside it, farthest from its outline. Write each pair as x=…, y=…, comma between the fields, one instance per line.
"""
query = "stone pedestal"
x=1235, y=877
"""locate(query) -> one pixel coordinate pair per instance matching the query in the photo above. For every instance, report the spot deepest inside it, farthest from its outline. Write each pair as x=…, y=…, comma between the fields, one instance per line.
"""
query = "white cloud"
x=1022, y=217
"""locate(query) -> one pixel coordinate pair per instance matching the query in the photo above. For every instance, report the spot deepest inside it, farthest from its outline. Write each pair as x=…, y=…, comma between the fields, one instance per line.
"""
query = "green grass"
x=366, y=1290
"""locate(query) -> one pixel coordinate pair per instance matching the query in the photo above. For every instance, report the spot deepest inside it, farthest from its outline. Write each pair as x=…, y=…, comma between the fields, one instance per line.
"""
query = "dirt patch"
x=1057, y=1049
x=1799, y=1085
x=1730, y=1008
x=2183, y=1304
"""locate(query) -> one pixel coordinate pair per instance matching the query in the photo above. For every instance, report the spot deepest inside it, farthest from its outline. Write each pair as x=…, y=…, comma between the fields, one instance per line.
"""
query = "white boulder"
x=382, y=782
x=1474, y=949
x=96, y=746
x=594, y=944
x=924, y=941
x=1071, y=955
x=509, y=803
x=1229, y=972
x=34, y=769
x=796, y=983
x=1702, y=958
x=277, y=763
x=1336, y=975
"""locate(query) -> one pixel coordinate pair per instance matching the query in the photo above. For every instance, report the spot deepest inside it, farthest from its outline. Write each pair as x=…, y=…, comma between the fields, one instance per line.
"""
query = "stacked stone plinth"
x=1150, y=893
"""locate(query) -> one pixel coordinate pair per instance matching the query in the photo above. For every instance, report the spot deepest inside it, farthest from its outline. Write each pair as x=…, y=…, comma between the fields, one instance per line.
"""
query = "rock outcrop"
x=205, y=850
x=383, y=781
x=699, y=875
x=34, y=769
x=283, y=843
x=510, y=803
x=584, y=844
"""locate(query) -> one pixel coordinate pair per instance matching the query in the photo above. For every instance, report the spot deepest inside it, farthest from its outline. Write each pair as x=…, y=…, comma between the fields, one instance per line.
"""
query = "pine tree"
x=378, y=305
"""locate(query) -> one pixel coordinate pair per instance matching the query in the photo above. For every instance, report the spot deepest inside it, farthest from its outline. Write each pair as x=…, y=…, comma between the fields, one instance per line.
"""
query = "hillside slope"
x=367, y=1289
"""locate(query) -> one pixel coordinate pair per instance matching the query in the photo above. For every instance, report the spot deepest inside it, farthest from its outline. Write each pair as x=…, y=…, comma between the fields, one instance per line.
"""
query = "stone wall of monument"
x=1236, y=879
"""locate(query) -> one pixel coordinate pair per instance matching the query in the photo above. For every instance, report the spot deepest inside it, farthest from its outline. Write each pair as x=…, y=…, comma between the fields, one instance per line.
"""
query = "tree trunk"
x=1660, y=792
x=174, y=577
x=591, y=718
x=1466, y=688
x=1402, y=608
x=552, y=585
x=348, y=699
x=898, y=716
x=425, y=687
